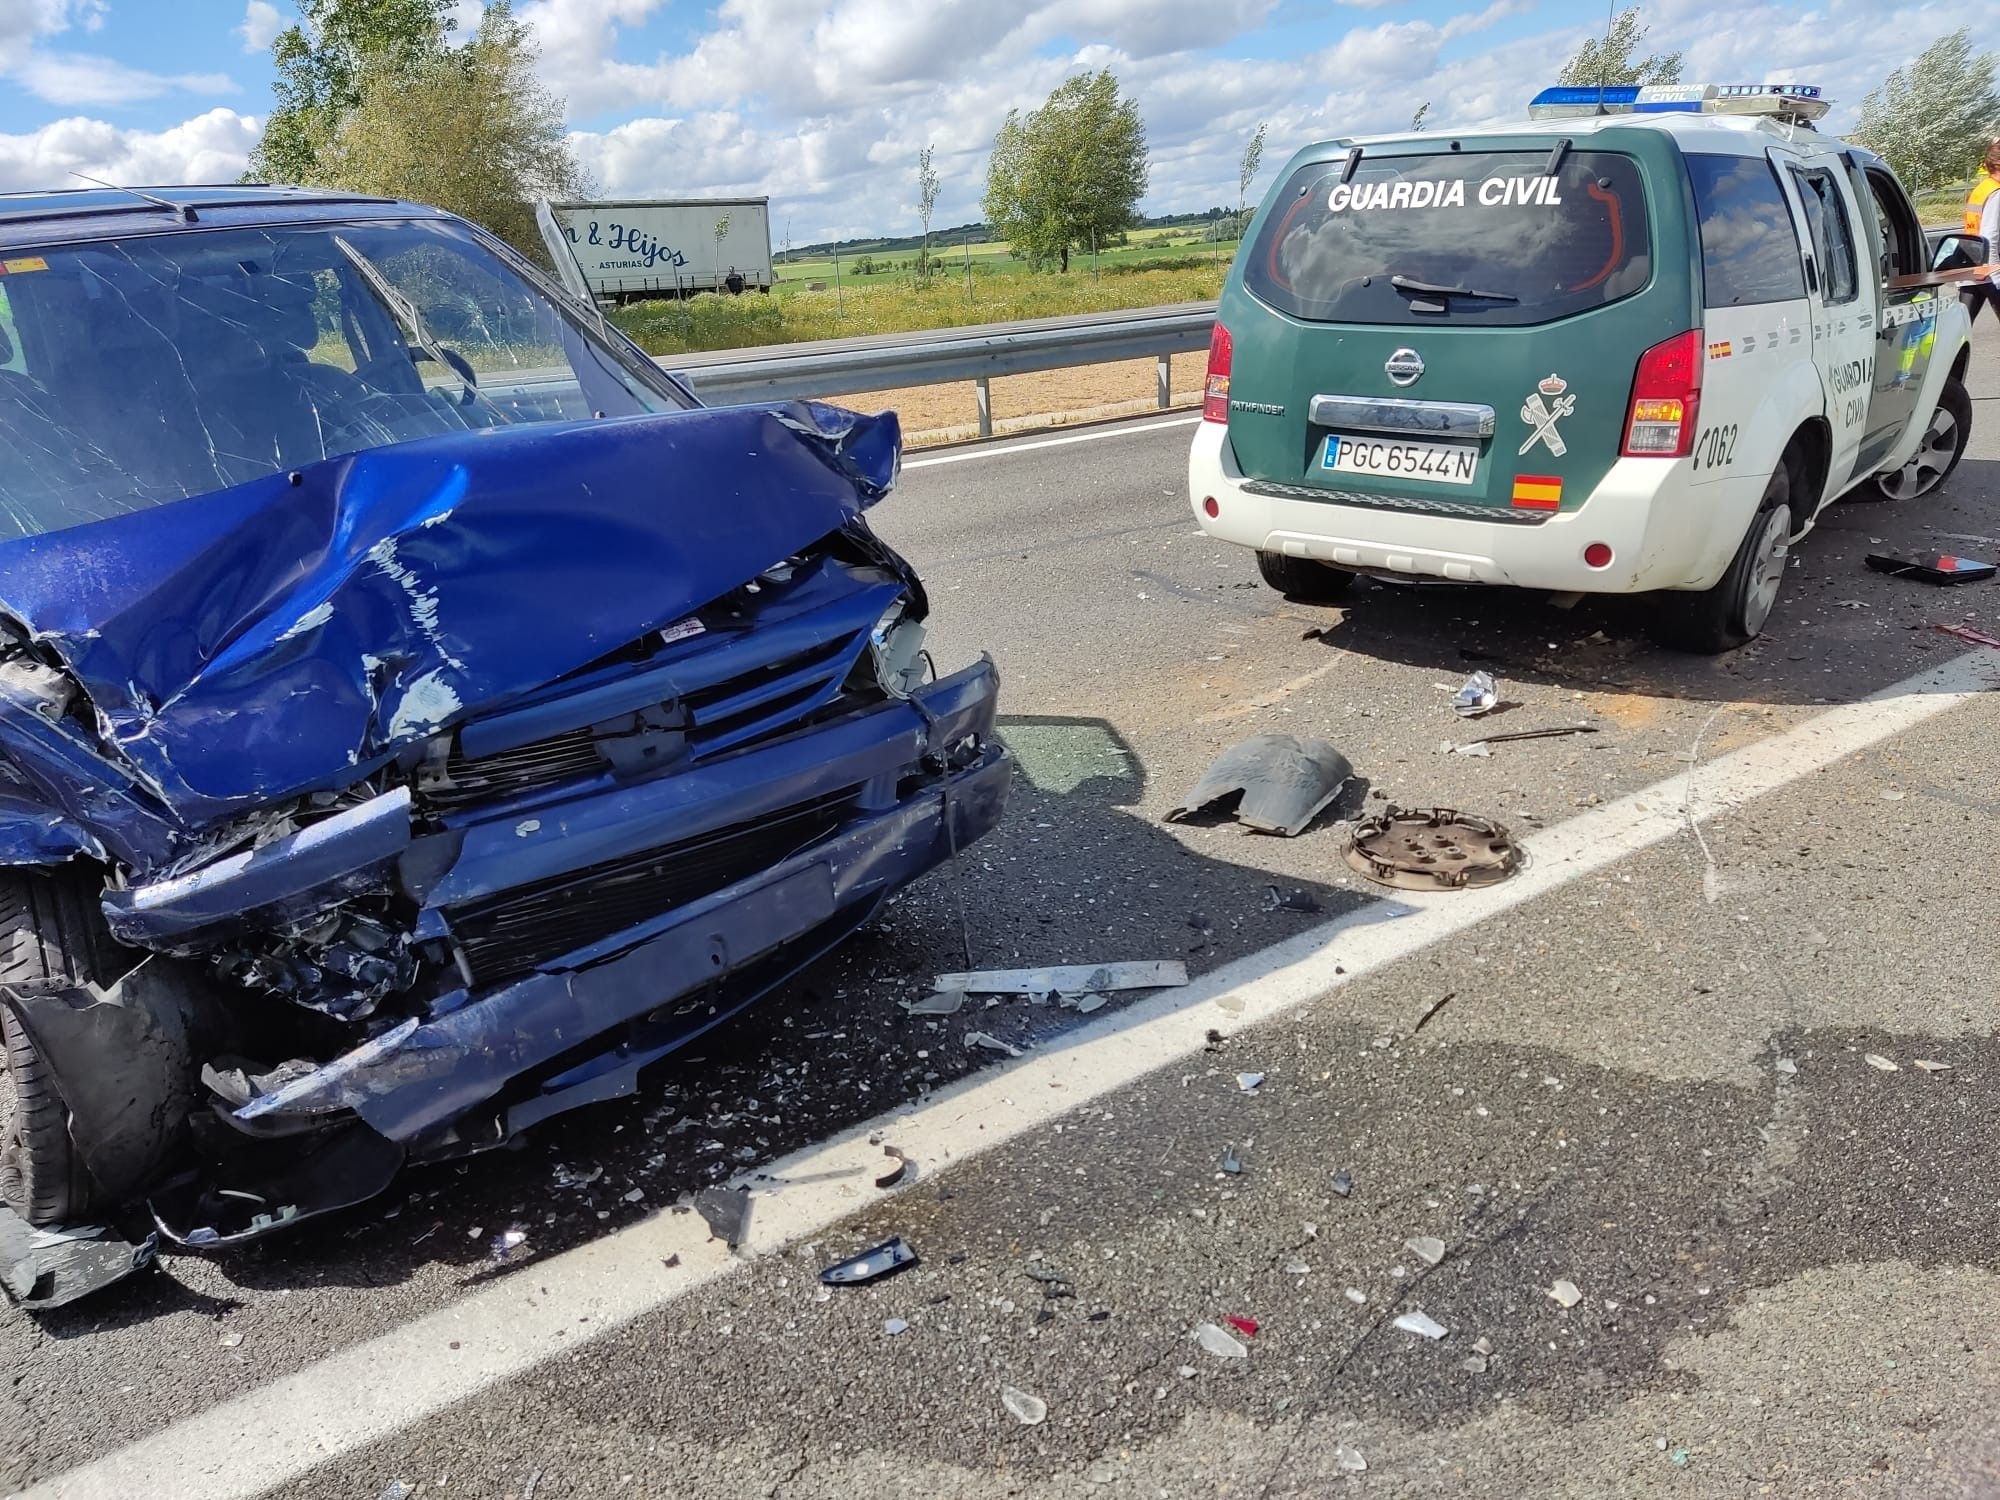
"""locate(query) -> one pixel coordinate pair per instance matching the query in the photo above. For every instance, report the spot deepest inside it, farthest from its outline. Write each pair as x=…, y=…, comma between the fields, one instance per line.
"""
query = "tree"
x=1068, y=174
x=1246, y=172
x=1417, y=119
x=469, y=129
x=1932, y=120
x=322, y=62
x=1607, y=60
x=927, y=191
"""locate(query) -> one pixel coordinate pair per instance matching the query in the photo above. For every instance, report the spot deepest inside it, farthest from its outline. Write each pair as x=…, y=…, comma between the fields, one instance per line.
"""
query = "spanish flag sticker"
x=1537, y=492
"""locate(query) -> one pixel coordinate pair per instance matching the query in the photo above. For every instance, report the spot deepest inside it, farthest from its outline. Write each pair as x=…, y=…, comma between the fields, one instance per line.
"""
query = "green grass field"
x=894, y=304
x=864, y=266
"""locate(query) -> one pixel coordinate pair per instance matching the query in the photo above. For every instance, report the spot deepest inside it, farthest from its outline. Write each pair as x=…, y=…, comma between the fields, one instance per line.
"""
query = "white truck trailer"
x=669, y=247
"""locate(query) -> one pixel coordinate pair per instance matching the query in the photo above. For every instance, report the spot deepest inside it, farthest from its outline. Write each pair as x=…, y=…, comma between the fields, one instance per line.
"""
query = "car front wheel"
x=1734, y=611
x=1938, y=451
x=1304, y=579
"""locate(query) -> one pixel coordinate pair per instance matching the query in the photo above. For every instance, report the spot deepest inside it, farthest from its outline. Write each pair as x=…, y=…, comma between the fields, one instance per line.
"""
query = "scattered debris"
x=991, y=1043
x=1101, y=1471
x=1343, y=1181
x=1478, y=749
x=1928, y=1066
x=1245, y=1326
x=1566, y=1293
x=1358, y=1297
x=937, y=1003
x=1474, y=1362
x=1068, y=979
x=1432, y=1009
x=1219, y=1343
x=727, y=1211
x=894, y=1326
x=896, y=1173
x=1085, y=1005
x=1932, y=567
x=229, y=1338
x=1249, y=1083
x=1028, y=1410
x=1479, y=694
x=1880, y=1063
x=395, y=1489
x=50, y=1267
x=1282, y=782
x=1349, y=1460
x=1678, y=1458
x=1482, y=1345
x=890, y=1255
x=1297, y=1267
x=1292, y=900
x=1421, y=1324
x=1231, y=1162
x=1967, y=633
x=1785, y=1065
x=1485, y=744
x=1427, y=1248
x=1431, y=849
x=567, y=1176
x=636, y=1195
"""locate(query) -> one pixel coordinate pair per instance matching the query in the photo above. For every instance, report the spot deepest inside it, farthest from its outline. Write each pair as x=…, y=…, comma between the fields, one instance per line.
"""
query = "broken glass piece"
x=1249, y=1083
x=1349, y=1460
x=991, y=1043
x=567, y=1176
x=395, y=1489
x=1479, y=694
x=1785, y=1065
x=1343, y=1182
x=1219, y=1343
x=894, y=1326
x=890, y=1255
x=1102, y=1471
x=1482, y=1345
x=1427, y=1248
x=507, y=1241
x=1475, y=1363
x=1245, y=1326
x=1231, y=1162
x=1067, y=978
x=1297, y=1267
x=1281, y=782
x=1565, y=1293
x=1928, y=1066
x=1356, y=1296
x=940, y=1003
x=1420, y=1323
x=229, y=1338
x=1878, y=1061
x=1026, y=1409
x=1085, y=1004
x=727, y=1211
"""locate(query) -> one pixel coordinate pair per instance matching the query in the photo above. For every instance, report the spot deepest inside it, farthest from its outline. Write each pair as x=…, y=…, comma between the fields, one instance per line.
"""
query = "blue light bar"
x=1793, y=101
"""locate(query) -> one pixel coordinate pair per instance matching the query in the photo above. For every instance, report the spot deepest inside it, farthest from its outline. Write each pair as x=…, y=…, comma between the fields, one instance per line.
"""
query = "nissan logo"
x=1404, y=366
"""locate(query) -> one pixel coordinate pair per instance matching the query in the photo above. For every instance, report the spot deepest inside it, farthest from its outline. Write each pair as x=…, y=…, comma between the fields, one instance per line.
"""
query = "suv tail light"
x=1666, y=394
x=1215, y=390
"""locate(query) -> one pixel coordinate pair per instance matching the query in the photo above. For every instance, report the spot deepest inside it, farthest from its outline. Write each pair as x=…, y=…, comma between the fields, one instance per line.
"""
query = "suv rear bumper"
x=1663, y=531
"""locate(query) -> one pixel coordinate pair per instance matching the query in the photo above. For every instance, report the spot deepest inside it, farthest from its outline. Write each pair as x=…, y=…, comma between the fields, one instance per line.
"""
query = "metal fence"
x=842, y=367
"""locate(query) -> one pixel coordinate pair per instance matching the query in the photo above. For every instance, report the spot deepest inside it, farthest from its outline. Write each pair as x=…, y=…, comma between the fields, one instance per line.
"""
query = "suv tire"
x=1938, y=451
x=1304, y=579
x=51, y=933
x=1734, y=611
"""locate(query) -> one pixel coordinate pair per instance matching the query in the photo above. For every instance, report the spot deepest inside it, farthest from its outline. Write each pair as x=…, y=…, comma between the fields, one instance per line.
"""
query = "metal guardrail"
x=841, y=367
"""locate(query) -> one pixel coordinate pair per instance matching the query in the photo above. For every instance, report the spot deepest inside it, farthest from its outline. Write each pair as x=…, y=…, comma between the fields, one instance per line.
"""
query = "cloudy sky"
x=821, y=104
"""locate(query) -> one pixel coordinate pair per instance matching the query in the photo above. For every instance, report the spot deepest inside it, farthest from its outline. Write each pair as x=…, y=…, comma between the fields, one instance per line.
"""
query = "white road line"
x=367, y=1392
x=1096, y=435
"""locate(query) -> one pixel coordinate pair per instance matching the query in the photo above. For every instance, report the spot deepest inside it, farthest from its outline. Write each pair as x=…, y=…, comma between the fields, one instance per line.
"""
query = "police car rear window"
x=1495, y=240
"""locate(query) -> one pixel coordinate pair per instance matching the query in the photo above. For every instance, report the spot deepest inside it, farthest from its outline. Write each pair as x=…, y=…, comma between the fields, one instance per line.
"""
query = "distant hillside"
x=957, y=234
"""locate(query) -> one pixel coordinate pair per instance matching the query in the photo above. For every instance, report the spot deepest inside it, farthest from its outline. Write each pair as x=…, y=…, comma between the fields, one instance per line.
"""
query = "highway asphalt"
x=1642, y=1069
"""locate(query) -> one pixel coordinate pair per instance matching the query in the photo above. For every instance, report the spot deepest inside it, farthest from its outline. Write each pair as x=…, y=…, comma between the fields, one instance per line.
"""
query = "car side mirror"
x=1959, y=252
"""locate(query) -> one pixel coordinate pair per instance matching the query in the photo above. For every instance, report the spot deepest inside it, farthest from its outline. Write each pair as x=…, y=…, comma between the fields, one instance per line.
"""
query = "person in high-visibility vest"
x=1982, y=217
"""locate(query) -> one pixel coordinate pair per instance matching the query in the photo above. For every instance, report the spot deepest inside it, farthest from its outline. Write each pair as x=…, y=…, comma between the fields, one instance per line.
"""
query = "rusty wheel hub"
x=1432, y=849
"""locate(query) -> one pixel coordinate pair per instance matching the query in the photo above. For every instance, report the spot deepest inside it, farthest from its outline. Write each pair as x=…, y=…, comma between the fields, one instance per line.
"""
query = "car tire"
x=51, y=933
x=1938, y=452
x=1734, y=611
x=1304, y=579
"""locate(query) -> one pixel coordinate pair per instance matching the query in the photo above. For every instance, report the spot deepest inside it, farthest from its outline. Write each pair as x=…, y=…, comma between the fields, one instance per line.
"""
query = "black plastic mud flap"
x=43, y=1268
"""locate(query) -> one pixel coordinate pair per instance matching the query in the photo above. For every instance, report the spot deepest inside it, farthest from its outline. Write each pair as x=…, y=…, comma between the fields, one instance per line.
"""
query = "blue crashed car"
x=417, y=713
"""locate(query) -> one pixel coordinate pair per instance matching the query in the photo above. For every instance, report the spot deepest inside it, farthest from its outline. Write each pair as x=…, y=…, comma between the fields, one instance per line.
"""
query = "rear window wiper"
x=1434, y=289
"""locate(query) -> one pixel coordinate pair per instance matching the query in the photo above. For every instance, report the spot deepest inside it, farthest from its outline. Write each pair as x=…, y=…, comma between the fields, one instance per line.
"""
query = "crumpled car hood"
x=287, y=635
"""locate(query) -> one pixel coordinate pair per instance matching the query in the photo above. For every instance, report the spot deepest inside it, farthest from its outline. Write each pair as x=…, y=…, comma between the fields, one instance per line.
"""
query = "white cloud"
x=70, y=78
x=261, y=24
x=211, y=147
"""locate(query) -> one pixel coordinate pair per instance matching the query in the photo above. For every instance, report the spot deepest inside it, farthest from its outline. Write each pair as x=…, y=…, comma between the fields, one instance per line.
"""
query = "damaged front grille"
x=466, y=782
x=507, y=936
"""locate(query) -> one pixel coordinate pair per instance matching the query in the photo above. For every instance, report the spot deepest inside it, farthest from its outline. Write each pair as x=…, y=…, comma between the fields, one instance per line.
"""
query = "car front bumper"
x=480, y=1064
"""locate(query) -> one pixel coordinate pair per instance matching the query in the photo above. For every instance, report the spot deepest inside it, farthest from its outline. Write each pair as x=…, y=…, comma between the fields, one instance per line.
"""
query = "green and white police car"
x=1632, y=344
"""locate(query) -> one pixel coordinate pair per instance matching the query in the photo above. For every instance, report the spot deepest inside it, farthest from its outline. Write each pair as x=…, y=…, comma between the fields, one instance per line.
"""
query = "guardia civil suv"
x=1634, y=343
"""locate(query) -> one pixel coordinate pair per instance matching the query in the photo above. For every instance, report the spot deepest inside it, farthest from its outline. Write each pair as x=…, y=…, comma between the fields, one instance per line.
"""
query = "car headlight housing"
x=896, y=644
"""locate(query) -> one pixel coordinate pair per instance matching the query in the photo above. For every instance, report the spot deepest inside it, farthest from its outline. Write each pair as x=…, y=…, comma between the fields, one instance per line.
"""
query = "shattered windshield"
x=141, y=371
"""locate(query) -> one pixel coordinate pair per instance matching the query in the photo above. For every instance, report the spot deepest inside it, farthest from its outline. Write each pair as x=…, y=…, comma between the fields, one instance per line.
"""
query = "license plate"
x=1437, y=463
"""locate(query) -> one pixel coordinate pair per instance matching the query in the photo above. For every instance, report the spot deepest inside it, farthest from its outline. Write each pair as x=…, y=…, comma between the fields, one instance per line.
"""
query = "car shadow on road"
x=1072, y=875
x=1840, y=631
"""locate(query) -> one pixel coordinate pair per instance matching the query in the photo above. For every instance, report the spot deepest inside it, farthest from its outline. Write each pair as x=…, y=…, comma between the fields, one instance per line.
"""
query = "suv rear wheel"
x=1734, y=611
x=1938, y=451
x=49, y=934
x=1304, y=579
